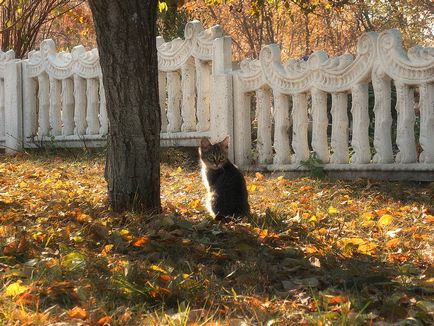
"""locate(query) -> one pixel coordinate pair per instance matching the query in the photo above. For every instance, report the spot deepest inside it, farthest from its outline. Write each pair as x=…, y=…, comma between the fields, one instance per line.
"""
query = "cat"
x=227, y=193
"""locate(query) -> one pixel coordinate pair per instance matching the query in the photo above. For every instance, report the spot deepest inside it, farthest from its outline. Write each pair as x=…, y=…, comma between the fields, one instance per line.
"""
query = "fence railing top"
x=61, y=65
x=412, y=67
x=382, y=52
x=197, y=43
x=330, y=74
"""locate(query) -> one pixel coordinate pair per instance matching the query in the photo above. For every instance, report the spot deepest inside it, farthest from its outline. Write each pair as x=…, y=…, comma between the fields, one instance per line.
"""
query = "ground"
x=313, y=252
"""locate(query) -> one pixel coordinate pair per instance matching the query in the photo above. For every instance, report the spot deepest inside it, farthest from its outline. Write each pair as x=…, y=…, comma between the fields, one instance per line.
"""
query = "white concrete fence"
x=296, y=108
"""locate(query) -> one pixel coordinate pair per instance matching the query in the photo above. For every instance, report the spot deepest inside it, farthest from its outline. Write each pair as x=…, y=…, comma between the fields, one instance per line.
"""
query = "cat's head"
x=214, y=156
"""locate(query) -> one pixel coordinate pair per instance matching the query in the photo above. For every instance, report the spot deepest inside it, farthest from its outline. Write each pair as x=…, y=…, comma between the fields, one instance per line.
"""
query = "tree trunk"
x=126, y=37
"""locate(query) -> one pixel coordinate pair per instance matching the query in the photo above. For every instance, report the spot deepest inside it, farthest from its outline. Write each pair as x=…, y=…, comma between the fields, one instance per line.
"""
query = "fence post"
x=221, y=95
x=13, y=107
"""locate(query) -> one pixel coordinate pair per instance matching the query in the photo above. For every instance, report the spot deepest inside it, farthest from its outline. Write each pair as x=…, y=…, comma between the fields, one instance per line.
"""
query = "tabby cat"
x=227, y=193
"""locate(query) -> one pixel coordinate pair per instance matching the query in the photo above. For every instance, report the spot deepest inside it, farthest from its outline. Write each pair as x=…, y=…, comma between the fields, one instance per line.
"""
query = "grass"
x=313, y=252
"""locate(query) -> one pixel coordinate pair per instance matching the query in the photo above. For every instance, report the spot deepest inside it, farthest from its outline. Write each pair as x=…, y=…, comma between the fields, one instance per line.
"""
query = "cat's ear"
x=205, y=143
x=225, y=142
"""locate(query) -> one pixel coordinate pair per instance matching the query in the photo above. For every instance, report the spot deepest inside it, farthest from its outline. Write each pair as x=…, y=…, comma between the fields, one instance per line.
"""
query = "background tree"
x=302, y=26
x=126, y=37
x=22, y=22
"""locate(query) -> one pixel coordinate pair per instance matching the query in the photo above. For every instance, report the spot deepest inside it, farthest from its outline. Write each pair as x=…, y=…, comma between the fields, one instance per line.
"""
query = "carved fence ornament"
x=63, y=64
x=319, y=71
x=197, y=43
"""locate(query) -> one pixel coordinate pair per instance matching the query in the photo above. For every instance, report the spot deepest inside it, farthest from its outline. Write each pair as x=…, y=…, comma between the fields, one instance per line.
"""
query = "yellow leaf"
x=263, y=233
x=251, y=188
x=385, y=219
x=162, y=6
x=309, y=249
x=157, y=269
x=195, y=204
x=367, y=248
x=15, y=289
x=368, y=224
x=368, y=216
x=313, y=219
x=333, y=210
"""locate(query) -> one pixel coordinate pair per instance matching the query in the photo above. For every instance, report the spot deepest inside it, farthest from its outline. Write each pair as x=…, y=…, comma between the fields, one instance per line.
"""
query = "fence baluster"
x=68, y=107
x=173, y=102
x=359, y=111
x=80, y=105
x=339, y=137
x=44, y=105
x=426, y=102
x=319, y=125
x=203, y=77
x=162, y=89
x=55, y=107
x=282, y=122
x=299, y=130
x=92, y=108
x=242, y=125
x=188, y=85
x=383, y=118
x=405, y=124
x=30, y=117
x=264, y=141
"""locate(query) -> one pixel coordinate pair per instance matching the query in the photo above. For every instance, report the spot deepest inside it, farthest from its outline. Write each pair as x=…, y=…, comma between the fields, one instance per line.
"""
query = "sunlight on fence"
x=373, y=111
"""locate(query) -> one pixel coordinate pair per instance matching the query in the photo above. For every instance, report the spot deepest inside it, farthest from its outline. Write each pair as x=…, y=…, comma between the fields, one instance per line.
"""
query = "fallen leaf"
x=26, y=299
x=332, y=210
x=393, y=243
x=385, y=220
x=333, y=300
x=14, y=289
x=141, y=242
x=78, y=312
x=105, y=321
x=157, y=269
x=259, y=176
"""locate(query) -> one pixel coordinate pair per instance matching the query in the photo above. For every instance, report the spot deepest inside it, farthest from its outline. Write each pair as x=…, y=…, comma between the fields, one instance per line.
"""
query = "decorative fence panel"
x=195, y=87
x=64, y=103
x=321, y=107
x=371, y=114
x=64, y=100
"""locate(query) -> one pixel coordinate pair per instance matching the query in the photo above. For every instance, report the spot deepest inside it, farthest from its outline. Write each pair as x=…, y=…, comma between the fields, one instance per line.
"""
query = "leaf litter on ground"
x=312, y=251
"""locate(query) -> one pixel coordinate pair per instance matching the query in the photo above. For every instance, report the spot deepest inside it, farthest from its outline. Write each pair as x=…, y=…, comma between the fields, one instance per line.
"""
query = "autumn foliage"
x=312, y=252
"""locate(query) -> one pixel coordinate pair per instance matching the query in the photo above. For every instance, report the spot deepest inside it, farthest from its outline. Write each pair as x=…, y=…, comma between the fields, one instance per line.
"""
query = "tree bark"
x=126, y=37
